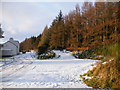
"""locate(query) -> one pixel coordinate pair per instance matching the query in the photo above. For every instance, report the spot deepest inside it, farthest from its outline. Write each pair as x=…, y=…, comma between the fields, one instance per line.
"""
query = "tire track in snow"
x=6, y=78
x=14, y=70
x=53, y=73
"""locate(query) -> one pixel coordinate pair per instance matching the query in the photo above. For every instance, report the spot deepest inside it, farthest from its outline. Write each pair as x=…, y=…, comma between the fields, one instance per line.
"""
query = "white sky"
x=22, y=20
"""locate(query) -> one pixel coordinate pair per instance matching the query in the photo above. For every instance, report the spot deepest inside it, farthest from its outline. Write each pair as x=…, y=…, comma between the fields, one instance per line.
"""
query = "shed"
x=10, y=48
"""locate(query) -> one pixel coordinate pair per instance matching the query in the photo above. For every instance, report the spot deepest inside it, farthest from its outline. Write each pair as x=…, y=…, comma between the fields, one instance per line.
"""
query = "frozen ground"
x=28, y=72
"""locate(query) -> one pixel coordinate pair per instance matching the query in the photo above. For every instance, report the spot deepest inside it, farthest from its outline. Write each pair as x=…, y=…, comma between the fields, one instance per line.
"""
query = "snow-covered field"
x=28, y=72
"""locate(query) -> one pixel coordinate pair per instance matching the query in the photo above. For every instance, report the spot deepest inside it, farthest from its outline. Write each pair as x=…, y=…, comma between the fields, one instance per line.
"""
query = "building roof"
x=11, y=43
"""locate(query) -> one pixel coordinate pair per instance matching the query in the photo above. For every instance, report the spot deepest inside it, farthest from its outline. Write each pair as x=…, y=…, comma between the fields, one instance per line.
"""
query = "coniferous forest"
x=92, y=26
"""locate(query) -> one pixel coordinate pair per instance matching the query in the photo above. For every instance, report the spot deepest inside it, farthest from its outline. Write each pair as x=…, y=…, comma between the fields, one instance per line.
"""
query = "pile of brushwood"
x=84, y=54
x=46, y=55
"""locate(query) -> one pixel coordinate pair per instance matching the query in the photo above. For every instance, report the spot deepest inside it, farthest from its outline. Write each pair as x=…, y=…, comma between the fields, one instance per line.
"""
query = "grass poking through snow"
x=106, y=74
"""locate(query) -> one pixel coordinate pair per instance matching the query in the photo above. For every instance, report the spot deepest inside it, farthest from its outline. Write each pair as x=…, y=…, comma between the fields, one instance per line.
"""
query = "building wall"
x=10, y=46
x=18, y=47
x=6, y=53
x=16, y=43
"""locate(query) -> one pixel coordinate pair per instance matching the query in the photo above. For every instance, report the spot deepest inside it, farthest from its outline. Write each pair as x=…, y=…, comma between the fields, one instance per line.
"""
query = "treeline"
x=30, y=43
x=92, y=25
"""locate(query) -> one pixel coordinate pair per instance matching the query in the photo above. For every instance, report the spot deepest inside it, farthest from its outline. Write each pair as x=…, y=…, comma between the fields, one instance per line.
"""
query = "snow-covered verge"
x=29, y=72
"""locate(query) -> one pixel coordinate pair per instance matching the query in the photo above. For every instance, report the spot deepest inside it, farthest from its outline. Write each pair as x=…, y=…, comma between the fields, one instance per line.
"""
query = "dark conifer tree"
x=1, y=32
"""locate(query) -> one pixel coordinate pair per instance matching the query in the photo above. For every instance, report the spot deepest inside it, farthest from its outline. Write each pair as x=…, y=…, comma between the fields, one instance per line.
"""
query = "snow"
x=87, y=77
x=28, y=72
x=107, y=61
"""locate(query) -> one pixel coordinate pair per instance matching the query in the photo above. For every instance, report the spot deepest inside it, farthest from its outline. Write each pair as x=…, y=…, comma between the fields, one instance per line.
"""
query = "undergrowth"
x=107, y=74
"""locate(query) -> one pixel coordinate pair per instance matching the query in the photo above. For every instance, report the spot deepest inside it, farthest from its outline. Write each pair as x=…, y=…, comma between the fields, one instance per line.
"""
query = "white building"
x=10, y=48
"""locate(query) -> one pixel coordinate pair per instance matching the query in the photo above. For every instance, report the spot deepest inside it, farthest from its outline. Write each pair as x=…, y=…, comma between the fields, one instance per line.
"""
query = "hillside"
x=89, y=26
x=30, y=44
x=105, y=74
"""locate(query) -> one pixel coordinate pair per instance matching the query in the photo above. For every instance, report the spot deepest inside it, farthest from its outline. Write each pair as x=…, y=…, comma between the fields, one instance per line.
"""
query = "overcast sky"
x=22, y=20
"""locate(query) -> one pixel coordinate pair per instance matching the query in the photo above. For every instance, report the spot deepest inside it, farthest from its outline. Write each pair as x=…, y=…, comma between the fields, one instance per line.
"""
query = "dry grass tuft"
x=106, y=74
